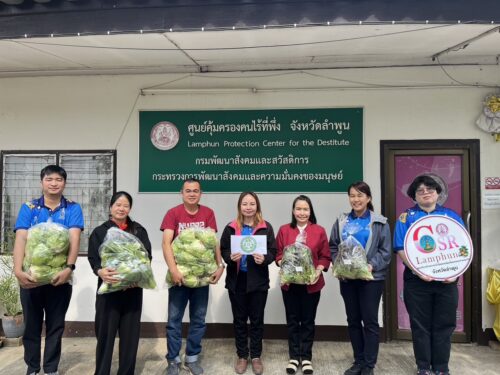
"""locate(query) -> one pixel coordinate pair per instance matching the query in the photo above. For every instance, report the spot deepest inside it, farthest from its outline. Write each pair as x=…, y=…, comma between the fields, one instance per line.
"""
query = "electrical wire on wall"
x=358, y=83
x=125, y=126
x=220, y=49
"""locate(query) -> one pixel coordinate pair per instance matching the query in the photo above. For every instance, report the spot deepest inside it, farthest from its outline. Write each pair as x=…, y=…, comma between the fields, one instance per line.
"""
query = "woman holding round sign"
x=360, y=243
x=248, y=247
x=303, y=255
x=436, y=249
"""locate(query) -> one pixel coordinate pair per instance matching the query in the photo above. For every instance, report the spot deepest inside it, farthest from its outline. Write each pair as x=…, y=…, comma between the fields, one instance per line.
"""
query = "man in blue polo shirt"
x=51, y=300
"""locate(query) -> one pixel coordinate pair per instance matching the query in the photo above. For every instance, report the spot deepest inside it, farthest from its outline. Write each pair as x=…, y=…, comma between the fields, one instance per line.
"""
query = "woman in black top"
x=118, y=311
x=247, y=281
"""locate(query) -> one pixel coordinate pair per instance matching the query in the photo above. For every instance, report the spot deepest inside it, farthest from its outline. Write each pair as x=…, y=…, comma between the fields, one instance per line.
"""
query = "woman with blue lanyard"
x=431, y=305
x=247, y=281
x=362, y=297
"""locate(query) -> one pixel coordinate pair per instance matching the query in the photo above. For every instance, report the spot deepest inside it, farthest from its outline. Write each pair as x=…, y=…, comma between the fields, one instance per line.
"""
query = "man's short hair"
x=190, y=181
x=51, y=169
x=427, y=181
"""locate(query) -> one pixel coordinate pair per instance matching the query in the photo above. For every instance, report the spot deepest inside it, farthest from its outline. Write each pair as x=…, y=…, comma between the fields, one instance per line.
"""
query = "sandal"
x=292, y=366
x=307, y=368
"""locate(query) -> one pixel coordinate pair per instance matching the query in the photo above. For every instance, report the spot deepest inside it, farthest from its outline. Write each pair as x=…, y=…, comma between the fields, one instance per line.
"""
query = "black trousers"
x=362, y=300
x=118, y=312
x=300, y=310
x=248, y=306
x=53, y=301
x=432, y=307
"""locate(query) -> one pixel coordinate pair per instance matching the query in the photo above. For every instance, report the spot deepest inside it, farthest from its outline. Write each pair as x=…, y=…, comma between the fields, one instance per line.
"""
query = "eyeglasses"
x=423, y=191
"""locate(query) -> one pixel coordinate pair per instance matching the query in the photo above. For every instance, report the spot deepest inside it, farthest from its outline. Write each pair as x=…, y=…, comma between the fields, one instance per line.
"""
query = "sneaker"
x=442, y=372
x=257, y=366
x=173, y=368
x=367, y=371
x=355, y=369
x=424, y=372
x=241, y=365
x=33, y=373
x=194, y=368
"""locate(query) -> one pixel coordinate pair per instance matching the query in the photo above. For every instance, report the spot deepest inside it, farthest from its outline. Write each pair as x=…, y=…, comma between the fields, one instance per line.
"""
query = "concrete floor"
x=330, y=358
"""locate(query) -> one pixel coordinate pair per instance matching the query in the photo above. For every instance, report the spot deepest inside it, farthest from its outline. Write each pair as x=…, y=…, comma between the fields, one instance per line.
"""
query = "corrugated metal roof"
x=66, y=17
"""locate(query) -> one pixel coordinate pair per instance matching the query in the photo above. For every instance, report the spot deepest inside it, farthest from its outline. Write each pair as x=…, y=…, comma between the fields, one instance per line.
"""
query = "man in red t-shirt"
x=189, y=214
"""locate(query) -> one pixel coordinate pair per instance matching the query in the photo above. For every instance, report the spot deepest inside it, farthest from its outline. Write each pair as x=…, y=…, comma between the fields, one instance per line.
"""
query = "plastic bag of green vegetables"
x=125, y=253
x=351, y=262
x=297, y=265
x=194, y=252
x=46, y=252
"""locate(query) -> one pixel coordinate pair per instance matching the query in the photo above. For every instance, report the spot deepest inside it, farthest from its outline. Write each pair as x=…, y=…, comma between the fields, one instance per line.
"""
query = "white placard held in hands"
x=248, y=245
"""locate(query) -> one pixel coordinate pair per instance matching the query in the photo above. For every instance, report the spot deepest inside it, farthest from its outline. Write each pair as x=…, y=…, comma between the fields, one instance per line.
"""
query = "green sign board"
x=277, y=150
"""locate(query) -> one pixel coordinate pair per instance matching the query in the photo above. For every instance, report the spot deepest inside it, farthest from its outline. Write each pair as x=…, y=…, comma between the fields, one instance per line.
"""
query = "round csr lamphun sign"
x=164, y=135
x=438, y=247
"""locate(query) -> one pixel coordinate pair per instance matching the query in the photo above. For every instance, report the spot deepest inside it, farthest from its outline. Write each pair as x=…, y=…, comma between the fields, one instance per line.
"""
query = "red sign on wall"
x=492, y=183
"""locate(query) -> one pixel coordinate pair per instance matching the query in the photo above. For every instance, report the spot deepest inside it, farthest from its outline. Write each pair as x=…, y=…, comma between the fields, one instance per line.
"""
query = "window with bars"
x=90, y=182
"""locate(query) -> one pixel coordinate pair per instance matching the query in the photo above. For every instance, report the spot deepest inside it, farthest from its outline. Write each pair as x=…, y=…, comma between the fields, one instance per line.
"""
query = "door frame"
x=472, y=289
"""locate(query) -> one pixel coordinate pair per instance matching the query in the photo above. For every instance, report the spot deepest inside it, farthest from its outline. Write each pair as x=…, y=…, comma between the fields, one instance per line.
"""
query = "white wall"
x=92, y=112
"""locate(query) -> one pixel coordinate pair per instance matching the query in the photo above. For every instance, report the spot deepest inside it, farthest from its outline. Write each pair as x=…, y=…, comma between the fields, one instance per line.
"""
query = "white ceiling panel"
x=248, y=50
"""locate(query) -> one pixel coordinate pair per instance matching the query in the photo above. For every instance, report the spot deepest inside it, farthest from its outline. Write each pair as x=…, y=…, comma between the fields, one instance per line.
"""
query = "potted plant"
x=12, y=318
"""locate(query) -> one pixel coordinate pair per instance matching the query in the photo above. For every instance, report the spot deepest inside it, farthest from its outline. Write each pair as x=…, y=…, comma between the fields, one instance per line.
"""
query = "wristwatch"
x=71, y=266
x=221, y=265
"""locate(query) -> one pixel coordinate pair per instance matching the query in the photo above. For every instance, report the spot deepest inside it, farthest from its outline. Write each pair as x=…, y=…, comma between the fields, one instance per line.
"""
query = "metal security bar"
x=90, y=183
x=20, y=183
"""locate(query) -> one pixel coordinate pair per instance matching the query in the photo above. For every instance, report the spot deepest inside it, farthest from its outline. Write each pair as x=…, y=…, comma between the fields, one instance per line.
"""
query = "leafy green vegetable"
x=53, y=235
x=210, y=268
x=41, y=255
x=195, y=248
x=297, y=266
x=191, y=281
x=168, y=279
x=43, y=274
x=125, y=253
x=351, y=262
x=197, y=270
x=58, y=261
x=187, y=236
x=46, y=252
x=194, y=252
x=208, y=238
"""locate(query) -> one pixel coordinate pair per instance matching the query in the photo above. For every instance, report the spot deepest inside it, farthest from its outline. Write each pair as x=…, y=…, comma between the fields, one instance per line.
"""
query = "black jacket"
x=257, y=274
x=97, y=238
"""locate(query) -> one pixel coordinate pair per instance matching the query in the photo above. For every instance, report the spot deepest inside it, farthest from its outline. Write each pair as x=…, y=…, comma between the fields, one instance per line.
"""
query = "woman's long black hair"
x=362, y=187
x=312, y=217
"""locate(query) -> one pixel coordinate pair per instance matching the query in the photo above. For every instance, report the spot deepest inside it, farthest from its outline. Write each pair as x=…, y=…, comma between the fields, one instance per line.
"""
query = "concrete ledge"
x=7, y=341
x=495, y=345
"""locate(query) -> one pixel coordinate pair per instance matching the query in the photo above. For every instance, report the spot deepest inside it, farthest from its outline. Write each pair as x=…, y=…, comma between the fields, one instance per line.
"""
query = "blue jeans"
x=178, y=297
